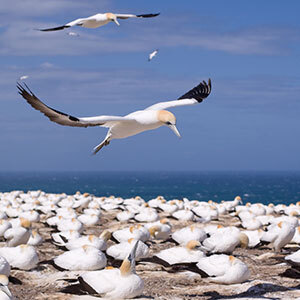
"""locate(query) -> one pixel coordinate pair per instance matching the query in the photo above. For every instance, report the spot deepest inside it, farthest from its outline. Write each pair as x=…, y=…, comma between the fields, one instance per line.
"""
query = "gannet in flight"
x=152, y=54
x=99, y=20
x=136, y=122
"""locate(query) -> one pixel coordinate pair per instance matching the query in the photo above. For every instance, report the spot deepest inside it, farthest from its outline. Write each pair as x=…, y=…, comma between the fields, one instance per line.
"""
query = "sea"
x=253, y=187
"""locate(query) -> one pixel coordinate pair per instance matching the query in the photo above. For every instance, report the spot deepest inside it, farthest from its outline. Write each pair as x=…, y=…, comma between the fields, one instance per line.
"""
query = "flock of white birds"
x=203, y=247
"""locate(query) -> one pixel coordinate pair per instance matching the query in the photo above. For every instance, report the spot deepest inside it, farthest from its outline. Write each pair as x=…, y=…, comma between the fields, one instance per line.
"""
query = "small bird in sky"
x=98, y=20
x=119, y=127
x=72, y=33
x=152, y=54
x=23, y=77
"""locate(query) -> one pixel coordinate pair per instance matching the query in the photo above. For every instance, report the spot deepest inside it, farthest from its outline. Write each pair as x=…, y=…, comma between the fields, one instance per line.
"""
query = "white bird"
x=181, y=254
x=23, y=257
x=18, y=235
x=4, y=266
x=152, y=54
x=5, y=293
x=120, y=251
x=114, y=283
x=186, y=234
x=294, y=259
x=227, y=269
x=71, y=33
x=23, y=77
x=86, y=258
x=98, y=20
x=152, y=117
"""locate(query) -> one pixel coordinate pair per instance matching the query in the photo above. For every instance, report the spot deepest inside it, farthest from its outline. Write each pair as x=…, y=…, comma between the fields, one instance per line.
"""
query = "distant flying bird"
x=71, y=33
x=152, y=117
x=152, y=54
x=23, y=77
x=98, y=20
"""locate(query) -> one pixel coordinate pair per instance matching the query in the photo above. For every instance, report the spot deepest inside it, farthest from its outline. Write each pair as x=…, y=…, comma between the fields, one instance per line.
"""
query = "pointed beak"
x=131, y=256
x=116, y=21
x=175, y=130
x=6, y=291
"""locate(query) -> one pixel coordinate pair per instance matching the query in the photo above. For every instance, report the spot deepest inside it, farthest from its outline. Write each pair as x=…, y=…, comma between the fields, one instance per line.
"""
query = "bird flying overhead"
x=152, y=54
x=98, y=20
x=120, y=127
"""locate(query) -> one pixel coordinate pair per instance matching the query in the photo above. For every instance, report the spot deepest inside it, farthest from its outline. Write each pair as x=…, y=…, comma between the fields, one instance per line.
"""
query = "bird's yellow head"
x=112, y=17
x=168, y=119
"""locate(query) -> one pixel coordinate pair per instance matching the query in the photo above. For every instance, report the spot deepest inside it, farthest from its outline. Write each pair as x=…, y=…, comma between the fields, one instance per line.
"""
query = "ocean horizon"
x=264, y=187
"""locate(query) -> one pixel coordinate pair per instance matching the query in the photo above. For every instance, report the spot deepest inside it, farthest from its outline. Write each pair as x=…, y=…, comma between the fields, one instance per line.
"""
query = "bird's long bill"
x=116, y=21
x=6, y=290
x=131, y=256
x=175, y=130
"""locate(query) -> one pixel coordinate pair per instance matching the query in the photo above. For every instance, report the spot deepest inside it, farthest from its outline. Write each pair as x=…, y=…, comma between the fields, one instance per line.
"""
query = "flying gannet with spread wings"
x=136, y=122
x=98, y=20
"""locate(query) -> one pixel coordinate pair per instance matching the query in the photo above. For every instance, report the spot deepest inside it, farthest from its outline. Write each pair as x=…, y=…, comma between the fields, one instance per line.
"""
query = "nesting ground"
x=267, y=280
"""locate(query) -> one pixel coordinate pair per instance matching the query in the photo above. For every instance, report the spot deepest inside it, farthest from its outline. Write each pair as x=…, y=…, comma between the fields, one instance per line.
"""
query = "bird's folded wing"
x=194, y=96
x=126, y=16
x=62, y=118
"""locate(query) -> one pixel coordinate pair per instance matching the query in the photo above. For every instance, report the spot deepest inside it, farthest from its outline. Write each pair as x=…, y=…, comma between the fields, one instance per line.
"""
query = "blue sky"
x=250, y=50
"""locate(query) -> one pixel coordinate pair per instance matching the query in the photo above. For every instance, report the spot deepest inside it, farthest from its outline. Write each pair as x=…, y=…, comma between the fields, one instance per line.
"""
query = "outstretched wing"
x=194, y=96
x=62, y=118
x=55, y=28
x=126, y=16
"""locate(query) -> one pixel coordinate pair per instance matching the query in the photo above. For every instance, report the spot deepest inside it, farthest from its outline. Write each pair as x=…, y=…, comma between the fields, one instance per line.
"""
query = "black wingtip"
x=199, y=92
x=148, y=15
x=54, y=28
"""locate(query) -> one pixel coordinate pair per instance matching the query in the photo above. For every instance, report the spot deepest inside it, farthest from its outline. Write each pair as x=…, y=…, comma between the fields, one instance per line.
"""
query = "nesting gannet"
x=35, y=238
x=86, y=258
x=183, y=215
x=18, y=235
x=254, y=237
x=4, y=266
x=294, y=259
x=23, y=257
x=124, y=216
x=152, y=55
x=181, y=254
x=63, y=236
x=89, y=219
x=98, y=20
x=114, y=283
x=226, y=269
x=91, y=240
x=4, y=225
x=150, y=118
x=5, y=293
x=159, y=230
x=225, y=241
x=279, y=235
x=186, y=234
x=136, y=232
x=296, y=237
x=120, y=251
x=69, y=224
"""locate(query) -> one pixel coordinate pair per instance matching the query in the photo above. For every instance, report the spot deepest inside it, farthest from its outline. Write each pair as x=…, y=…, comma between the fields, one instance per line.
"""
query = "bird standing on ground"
x=136, y=122
x=98, y=20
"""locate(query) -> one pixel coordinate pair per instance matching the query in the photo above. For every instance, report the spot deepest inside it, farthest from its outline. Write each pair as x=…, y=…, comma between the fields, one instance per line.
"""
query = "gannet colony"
x=58, y=246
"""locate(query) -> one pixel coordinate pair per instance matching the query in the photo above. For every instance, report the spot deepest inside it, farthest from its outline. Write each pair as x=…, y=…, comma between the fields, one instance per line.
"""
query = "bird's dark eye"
x=168, y=123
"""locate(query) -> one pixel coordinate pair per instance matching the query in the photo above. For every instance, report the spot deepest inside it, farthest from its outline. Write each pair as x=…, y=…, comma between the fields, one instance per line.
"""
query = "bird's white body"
x=94, y=21
x=178, y=254
x=113, y=285
x=226, y=269
x=152, y=54
x=134, y=123
x=17, y=236
x=85, y=258
x=294, y=258
x=186, y=234
x=120, y=251
x=23, y=257
x=120, y=283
